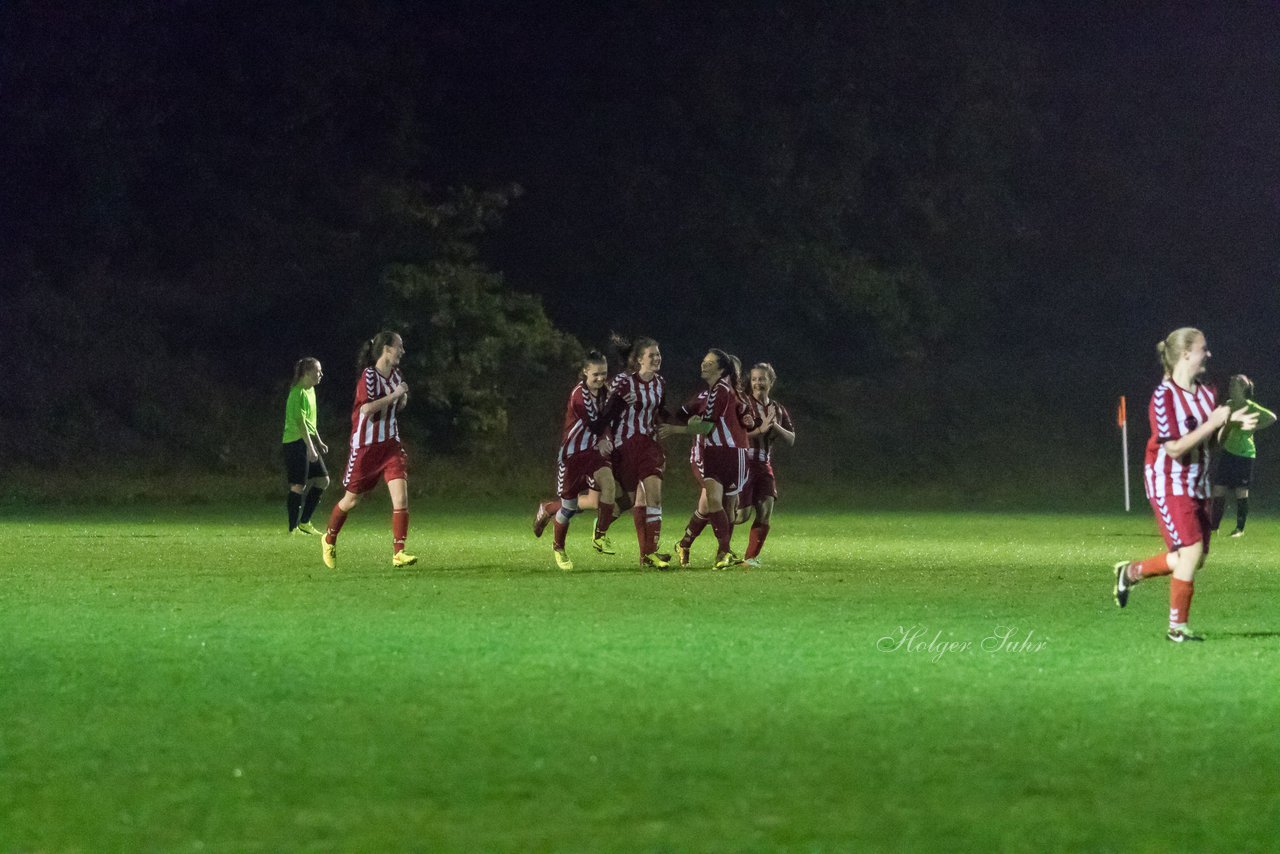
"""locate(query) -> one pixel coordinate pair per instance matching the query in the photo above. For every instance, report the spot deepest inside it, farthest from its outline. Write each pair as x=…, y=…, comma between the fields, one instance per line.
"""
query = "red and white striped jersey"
x=376, y=427
x=640, y=418
x=725, y=408
x=586, y=419
x=1175, y=412
x=695, y=405
x=762, y=446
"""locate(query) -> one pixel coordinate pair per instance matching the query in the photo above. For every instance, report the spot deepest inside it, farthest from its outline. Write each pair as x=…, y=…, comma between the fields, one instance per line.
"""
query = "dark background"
x=957, y=230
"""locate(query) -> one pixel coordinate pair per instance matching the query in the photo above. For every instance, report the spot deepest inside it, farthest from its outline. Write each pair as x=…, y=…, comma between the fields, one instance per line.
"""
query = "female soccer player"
x=303, y=446
x=638, y=460
x=723, y=469
x=1234, y=467
x=583, y=463
x=381, y=394
x=1184, y=417
x=774, y=423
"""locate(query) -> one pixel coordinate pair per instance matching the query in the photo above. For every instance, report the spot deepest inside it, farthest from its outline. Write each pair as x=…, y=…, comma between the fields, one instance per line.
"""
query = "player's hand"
x=1247, y=420
x=630, y=398
x=605, y=447
x=324, y=449
x=401, y=390
x=312, y=456
x=666, y=430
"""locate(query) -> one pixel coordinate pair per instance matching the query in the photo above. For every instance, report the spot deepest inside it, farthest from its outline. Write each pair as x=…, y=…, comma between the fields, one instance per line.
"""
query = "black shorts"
x=1232, y=471
x=296, y=465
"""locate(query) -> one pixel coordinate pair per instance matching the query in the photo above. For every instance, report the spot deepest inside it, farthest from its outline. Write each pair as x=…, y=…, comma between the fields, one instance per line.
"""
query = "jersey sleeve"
x=364, y=388
x=784, y=419
x=1164, y=422
x=1260, y=410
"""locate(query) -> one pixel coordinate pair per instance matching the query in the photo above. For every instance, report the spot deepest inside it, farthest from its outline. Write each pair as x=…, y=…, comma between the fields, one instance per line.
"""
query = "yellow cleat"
x=403, y=559
x=682, y=553
x=725, y=560
x=654, y=561
x=329, y=553
x=562, y=560
x=603, y=545
x=308, y=529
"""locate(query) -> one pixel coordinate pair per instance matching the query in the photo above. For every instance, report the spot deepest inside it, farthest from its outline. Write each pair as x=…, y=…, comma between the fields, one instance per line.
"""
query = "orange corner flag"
x=1121, y=415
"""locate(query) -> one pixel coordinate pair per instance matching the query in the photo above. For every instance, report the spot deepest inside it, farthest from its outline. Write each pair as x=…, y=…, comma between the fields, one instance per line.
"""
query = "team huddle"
x=611, y=456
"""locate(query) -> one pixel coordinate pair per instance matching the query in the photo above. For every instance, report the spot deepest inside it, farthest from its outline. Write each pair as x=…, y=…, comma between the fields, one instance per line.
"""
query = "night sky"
x=1020, y=196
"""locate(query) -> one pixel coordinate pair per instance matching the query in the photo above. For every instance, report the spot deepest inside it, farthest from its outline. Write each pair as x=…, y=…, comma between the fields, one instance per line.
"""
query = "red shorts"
x=639, y=457
x=761, y=483
x=365, y=466
x=726, y=466
x=577, y=473
x=1183, y=520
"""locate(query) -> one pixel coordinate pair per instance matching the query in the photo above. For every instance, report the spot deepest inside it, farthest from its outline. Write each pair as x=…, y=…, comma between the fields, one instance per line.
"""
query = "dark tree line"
x=918, y=211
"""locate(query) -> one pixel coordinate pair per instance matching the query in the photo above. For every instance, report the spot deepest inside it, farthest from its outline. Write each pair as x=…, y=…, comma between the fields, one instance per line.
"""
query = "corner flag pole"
x=1122, y=420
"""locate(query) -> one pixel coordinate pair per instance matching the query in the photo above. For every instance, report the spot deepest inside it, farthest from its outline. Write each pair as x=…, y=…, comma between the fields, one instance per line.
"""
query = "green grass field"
x=190, y=679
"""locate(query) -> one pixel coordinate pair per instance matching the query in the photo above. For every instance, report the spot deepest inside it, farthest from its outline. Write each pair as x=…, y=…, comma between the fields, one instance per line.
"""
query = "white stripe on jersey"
x=1164, y=475
x=377, y=427
x=638, y=419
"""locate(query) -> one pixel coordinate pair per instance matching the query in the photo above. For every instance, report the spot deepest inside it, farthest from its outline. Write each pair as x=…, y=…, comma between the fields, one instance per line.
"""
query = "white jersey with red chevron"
x=762, y=446
x=641, y=417
x=1175, y=412
x=724, y=409
x=583, y=409
x=376, y=427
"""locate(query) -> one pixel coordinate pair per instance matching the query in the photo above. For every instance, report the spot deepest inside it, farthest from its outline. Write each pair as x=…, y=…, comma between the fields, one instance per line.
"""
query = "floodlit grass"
x=188, y=679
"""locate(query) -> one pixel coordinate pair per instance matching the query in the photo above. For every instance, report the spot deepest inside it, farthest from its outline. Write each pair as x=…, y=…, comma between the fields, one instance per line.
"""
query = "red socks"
x=642, y=531
x=1180, y=600
x=756, y=543
x=1149, y=568
x=337, y=519
x=399, y=529
x=604, y=518
x=696, y=523
x=724, y=531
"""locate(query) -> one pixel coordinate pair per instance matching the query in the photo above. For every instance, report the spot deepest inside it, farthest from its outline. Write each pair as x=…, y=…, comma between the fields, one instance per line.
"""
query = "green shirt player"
x=303, y=447
x=1235, y=464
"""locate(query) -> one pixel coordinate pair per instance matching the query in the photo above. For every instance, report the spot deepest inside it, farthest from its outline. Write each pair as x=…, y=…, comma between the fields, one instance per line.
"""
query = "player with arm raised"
x=1184, y=418
x=376, y=453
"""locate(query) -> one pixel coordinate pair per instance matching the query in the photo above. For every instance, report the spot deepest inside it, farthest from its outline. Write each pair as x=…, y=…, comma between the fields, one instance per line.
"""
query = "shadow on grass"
x=1247, y=635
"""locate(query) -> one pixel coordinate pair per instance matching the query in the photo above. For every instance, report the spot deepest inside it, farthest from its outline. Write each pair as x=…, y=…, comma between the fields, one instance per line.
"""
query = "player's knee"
x=320, y=483
x=297, y=488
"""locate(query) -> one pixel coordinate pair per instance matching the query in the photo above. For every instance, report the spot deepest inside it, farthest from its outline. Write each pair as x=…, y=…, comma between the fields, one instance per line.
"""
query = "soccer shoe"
x=725, y=560
x=682, y=553
x=654, y=561
x=1123, y=584
x=540, y=520
x=562, y=560
x=308, y=529
x=329, y=553
x=1238, y=532
x=753, y=562
x=403, y=559
x=603, y=545
x=1181, y=634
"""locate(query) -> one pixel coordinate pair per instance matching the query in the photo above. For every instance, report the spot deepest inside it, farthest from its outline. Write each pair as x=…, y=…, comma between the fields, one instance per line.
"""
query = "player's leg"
x=760, y=528
x=1181, y=588
x=719, y=522
x=399, y=489
x=317, y=483
x=1219, y=504
x=1242, y=510
x=604, y=500
x=295, y=465
x=648, y=515
x=337, y=518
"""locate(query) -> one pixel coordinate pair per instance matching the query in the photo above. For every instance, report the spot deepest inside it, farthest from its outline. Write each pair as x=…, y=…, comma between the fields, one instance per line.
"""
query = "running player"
x=723, y=470
x=304, y=465
x=1234, y=468
x=1184, y=418
x=774, y=423
x=638, y=460
x=583, y=462
x=376, y=452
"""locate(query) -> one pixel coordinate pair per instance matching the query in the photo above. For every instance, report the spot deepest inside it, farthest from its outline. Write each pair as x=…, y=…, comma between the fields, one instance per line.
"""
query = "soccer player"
x=583, y=463
x=376, y=452
x=304, y=465
x=638, y=460
x=774, y=423
x=1234, y=467
x=723, y=469
x=1184, y=418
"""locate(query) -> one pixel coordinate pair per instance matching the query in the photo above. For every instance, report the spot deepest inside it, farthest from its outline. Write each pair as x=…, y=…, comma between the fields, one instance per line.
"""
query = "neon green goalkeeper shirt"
x=301, y=402
x=1240, y=442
